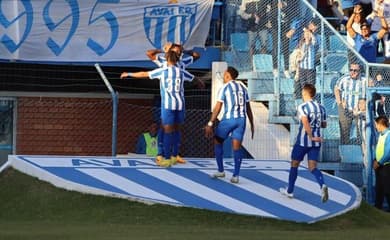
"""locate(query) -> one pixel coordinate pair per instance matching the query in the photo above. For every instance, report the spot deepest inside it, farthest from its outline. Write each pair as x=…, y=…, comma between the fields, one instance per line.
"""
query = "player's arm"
x=134, y=75
x=209, y=127
x=193, y=54
x=152, y=53
x=308, y=130
x=250, y=118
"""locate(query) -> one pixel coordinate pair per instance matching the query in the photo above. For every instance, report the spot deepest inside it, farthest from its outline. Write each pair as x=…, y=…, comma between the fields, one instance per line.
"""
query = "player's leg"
x=179, y=120
x=221, y=133
x=313, y=156
x=167, y=118
x=297, y=155
x=237, y=135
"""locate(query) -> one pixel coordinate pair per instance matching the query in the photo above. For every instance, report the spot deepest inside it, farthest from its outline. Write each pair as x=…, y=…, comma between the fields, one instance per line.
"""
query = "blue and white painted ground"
x=190, y=185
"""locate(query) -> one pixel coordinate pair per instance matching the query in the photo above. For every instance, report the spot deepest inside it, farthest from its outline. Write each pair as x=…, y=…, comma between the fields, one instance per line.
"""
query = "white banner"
x=99, y=30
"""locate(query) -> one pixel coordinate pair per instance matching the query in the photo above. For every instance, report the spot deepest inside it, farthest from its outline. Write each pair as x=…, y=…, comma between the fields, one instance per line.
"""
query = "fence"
x=266, y=52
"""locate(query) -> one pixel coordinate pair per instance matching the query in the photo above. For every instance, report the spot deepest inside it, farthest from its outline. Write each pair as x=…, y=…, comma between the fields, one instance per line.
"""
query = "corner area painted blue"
x=190, y=185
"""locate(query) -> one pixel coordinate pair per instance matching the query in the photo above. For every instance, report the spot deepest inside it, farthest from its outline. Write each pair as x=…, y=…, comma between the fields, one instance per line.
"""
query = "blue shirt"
x=315, y=114
x=367, y=47
x=234, y=97
x=171, y=86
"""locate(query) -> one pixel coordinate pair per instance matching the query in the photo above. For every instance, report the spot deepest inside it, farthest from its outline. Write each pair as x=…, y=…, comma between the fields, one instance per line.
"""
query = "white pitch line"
x=126, y=185
x=275, y=196
x=311, y=186
x=206, y=193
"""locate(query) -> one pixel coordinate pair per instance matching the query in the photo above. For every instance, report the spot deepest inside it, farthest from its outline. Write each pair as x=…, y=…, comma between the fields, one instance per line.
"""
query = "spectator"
x=312, y=116
x=366, y=43
x=348, y=90
x=367, y=7
x=381, y=163
x=257, y=14
x=380, y=106
x=348, y=7
x=172, y=102
x=148, y=141
x=232, y=22
x=307, y=62
x=360, y=113
x=233, y=96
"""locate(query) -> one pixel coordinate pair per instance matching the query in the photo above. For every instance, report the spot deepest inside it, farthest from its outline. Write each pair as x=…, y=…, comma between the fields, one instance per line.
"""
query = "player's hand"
x=124, y=75
x=208, y=131
x=317, y=139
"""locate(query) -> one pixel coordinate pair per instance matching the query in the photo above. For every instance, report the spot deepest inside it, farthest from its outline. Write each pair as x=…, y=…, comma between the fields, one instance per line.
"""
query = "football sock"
x=320, y=178
x=218, y=150
x=167, y=145
x=237, y=162
x=175, y=143
x=292, y=178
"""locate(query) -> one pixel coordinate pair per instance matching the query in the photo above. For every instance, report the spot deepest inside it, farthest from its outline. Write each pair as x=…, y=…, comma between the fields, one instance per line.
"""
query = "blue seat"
x=336, y=62
x=262, y=63
x=239, y=42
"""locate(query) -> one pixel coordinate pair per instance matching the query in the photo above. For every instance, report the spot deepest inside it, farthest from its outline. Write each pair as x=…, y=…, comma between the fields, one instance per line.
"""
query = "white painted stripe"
x=126, y=185
x=275, y=196
x=311, y=186
x=206, y=193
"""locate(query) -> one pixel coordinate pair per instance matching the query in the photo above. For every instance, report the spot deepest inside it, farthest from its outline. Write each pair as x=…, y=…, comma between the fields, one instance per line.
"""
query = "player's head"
x=172, y=57
x=231, y=73
x=308, y=90
x=177, y=48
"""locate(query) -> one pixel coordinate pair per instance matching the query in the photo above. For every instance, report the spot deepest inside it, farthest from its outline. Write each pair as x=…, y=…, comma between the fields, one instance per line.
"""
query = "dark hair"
x=365, y=24
x=233, y=72
x=310, y=88
x=382, y=120
x=172, y=56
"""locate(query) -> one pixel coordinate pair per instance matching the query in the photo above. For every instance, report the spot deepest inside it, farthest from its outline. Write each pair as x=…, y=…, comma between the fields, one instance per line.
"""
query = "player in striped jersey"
x=172, y=80
x=312, y=117
x=233, y=96
x=186, y=58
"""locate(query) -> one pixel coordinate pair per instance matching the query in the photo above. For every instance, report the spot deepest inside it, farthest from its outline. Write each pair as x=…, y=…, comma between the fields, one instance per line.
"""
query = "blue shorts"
x=170, y=117
x=299, y=152
x=233, y=127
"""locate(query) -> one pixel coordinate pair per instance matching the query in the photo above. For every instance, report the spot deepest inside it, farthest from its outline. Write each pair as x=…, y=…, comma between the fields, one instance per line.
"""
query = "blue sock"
x=218, y=150
x=167, y=145
x=292, y=178
x=160, y=143
x=175, y=143
x=320, y=178
x=237, y=162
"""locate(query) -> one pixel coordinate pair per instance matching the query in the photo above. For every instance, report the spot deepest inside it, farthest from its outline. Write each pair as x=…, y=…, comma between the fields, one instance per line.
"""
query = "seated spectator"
x=148, y=141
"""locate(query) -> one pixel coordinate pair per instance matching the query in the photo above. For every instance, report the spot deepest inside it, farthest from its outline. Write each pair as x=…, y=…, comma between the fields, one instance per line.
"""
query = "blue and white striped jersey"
x=309, y=54
x=234, y=96
x=171, y=86
x=351, y=90
x=316, y=114
x=161, y=61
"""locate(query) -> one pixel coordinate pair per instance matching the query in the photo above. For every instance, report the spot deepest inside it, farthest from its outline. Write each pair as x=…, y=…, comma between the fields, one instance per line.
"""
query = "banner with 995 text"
x=99, y=30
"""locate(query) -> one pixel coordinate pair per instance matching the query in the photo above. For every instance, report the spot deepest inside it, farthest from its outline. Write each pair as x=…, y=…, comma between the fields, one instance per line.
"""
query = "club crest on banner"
x=171, y=22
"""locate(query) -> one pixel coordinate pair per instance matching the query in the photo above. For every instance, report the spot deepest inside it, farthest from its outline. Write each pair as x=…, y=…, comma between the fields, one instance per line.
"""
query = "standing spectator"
x=360, y=113
x=312, y=116
x=232, y=22
x=307, y=62
x=366, y=43
x=380, y=106
x=172, y=80
x=257, y=14
x=233, y=96
x=348, y=90
x=381, y=163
